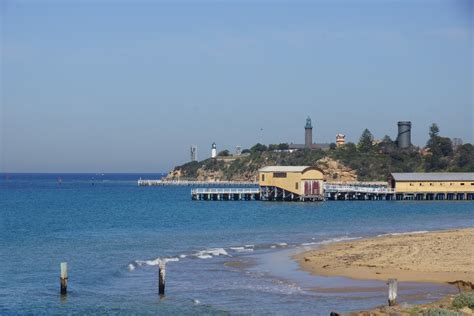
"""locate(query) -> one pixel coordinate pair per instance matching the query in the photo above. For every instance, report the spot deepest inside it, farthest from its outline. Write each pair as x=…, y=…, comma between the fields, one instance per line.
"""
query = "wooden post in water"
x=63, y=278
x=161, y=278
x=392, y=292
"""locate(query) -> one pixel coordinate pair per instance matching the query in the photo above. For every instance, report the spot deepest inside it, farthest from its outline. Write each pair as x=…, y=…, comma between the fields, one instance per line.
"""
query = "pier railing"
x=142, y=182
x=225, y=191
x=356, y=188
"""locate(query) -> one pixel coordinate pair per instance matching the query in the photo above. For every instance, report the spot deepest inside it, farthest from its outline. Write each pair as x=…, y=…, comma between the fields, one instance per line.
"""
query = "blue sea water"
x=229, y=257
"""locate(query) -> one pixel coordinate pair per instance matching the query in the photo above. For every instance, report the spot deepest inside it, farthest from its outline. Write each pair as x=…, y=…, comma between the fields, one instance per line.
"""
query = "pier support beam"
x=161, y=278
x=392, y=292
x=63, y=278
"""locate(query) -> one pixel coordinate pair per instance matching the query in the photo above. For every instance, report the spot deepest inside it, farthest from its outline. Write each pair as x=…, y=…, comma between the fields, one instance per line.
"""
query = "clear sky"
x=126, y=86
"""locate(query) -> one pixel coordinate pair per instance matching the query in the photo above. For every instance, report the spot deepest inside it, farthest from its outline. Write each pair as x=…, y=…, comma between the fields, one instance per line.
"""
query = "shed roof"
x=434, y=176
x=283, y=169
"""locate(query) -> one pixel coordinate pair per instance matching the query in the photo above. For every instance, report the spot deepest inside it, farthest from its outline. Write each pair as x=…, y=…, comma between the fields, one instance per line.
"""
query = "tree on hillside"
x=366, y=141
x=441, y=148
x=464, y=158
x=387, y=145
x=437, y=144
x=224, y=153
x=281, y=146
x=434, y=131
x=258, y=148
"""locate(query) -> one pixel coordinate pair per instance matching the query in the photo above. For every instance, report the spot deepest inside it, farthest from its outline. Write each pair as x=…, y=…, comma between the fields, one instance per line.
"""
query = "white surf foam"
x=328, y=241
x=149, y=262
x=337, y=239
x=405, y=233
x=204, y=256
x=241, y=249
x=209, y=253
x=156, y=261
x=131, y=267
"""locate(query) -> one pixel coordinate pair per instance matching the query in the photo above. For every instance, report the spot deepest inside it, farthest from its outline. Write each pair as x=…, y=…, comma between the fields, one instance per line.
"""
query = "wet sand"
x=436, y=257
x=281, y=266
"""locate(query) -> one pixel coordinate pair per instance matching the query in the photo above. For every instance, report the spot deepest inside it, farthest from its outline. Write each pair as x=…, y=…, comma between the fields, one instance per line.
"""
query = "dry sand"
x=439, y=257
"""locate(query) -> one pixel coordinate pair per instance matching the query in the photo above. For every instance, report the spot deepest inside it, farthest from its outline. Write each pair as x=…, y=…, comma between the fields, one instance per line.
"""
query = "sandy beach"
x=439, y=257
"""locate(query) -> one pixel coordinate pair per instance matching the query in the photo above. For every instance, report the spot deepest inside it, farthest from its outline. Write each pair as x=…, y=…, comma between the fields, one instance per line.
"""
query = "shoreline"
x=445, y=256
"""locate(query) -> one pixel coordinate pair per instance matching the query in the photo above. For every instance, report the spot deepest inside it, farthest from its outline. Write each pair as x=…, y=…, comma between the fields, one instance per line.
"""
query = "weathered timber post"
x=63, y=278
x=161, y=278
x=392, y=292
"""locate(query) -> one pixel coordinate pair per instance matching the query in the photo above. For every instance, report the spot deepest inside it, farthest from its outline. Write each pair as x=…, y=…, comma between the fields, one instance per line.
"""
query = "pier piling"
x=63, y=278
x=161, y=278
x=392, y=292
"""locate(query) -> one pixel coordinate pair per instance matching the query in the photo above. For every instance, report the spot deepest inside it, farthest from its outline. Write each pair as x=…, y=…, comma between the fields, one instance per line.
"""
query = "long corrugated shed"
x=434, y=176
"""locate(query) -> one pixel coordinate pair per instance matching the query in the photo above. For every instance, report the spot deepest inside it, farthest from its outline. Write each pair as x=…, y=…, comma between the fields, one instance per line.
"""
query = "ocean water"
x=229, y=257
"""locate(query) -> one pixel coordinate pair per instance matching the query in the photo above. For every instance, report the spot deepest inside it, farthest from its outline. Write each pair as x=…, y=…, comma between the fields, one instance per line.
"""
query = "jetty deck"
x=144, y=182
x=358, y=192
x=225, y=194
x=332, y=192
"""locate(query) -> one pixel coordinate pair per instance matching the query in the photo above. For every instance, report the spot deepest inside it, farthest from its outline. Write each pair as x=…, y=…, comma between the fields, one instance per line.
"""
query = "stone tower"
x=193, y=153
x=308, y=134
x=404, y=134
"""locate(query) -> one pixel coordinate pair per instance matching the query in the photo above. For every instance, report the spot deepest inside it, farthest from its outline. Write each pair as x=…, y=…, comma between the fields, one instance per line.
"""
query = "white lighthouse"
x=213, y=150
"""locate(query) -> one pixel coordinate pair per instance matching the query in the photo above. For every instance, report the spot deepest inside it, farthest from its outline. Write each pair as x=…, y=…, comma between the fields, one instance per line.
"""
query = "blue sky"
x=122, y=86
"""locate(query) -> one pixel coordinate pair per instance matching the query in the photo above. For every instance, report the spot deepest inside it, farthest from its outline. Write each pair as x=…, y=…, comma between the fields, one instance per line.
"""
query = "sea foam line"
x=405, y=233
x=208, y=254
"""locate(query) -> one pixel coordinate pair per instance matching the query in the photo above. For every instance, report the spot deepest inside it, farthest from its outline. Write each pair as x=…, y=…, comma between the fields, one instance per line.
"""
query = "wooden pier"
x=362, y=192
x=434, y=196
x=143, y=182
x=226, y=194
x=274, y=193
x=332, y=192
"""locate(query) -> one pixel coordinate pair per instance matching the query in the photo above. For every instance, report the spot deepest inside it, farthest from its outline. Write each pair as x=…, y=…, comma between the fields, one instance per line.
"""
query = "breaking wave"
x=229, y=251
x=209, y=253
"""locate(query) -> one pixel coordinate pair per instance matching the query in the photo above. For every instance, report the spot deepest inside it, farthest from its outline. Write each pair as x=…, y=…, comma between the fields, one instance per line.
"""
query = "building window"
x=431, y=184
x=462, y=183
x=472, y=183
x=296, y=186
x=451, y=183
x=263, y=177
x=279, y=174
x=411, y=184
x=421, y=184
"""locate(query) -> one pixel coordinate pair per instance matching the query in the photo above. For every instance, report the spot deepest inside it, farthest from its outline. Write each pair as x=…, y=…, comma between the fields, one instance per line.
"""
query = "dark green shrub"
x=464, y=299
x=440, y=312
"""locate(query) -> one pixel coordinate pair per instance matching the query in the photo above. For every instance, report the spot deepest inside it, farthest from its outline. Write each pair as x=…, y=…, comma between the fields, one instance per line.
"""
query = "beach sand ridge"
x=440, y=257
